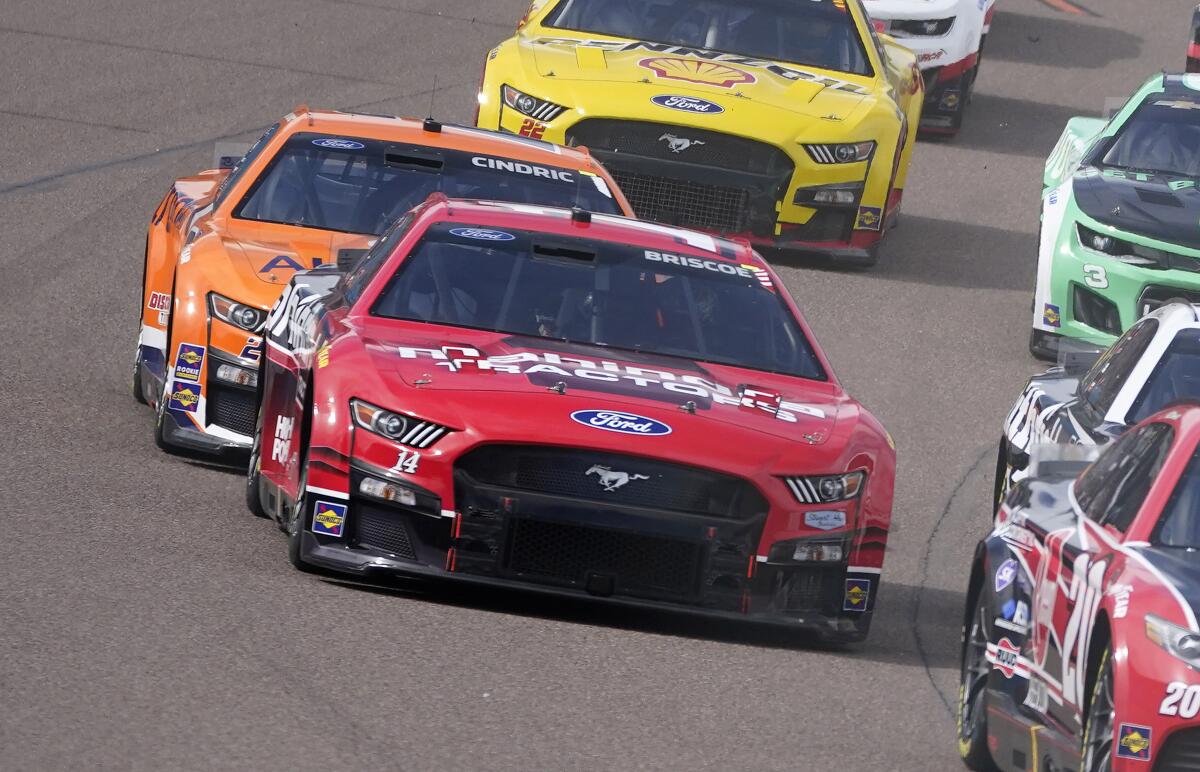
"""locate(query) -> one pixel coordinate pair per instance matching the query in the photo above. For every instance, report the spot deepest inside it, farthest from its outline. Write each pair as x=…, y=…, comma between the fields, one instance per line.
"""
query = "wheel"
x=138, y=394
x=1098, y=725
x=253, y=478
x=294, y=523
x=160, y=420
x=972, y=691
x=1000, y=490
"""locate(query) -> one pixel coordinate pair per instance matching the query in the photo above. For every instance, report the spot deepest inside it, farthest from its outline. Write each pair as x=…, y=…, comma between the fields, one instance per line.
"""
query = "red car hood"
x=503, y=366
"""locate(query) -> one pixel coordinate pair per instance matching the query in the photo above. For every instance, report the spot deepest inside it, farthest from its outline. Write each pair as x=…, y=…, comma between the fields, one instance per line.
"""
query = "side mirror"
x=348, y=258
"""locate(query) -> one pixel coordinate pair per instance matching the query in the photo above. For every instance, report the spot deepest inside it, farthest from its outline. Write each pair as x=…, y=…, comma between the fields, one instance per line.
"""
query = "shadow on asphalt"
x=996, y=124
x=926, y=250
x=891, y=639
x=1058, y=41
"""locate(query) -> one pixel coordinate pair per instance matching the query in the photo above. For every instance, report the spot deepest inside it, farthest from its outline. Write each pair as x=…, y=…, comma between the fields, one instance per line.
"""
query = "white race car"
x=947, y=36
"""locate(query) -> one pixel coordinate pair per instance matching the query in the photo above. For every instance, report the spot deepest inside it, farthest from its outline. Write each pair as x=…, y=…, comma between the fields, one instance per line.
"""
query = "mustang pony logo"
x=697, y=71
x=679, y=144
x=612, y=480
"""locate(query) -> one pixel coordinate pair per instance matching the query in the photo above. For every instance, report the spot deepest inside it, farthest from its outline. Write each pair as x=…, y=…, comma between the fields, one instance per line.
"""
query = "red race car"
x=1080, y=644
x=582, y=404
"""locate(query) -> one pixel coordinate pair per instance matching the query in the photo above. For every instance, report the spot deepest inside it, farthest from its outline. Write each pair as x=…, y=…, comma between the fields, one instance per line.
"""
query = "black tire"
x=138, y=394
x=972, y=690
x=294, y=524
x=253, y=478
x=1097, y=749
x=160, y=421
x=1000, y=489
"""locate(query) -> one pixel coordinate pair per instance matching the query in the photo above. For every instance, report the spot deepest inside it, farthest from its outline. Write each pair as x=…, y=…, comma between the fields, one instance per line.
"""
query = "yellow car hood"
x=801, y=90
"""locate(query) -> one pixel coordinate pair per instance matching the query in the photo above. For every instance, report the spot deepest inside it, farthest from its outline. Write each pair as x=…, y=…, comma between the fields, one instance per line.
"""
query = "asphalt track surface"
x=148, y=622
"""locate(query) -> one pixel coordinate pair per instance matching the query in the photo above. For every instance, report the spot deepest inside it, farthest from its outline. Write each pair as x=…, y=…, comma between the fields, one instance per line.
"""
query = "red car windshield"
x=599, y=293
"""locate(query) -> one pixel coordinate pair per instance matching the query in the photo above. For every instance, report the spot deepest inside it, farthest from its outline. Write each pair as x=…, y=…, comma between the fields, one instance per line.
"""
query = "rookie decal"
x=1005, y=574
x=482, y=234
x=688, y=104
x=825, y=520
x=857, y=593
x=329, y=518
x=338, y=144
x=870, y=218
x=188, y=362
x=185, y=397
x=1133, y=742
x=622, y=423
x=696, y=262
x=529, y=170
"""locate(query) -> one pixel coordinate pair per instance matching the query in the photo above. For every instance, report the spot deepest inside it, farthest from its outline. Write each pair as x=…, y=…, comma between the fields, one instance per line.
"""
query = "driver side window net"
x=1113, y=489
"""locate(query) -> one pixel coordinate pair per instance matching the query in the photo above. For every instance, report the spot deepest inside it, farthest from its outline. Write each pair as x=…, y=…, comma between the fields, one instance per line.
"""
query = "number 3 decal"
x=1095, y=276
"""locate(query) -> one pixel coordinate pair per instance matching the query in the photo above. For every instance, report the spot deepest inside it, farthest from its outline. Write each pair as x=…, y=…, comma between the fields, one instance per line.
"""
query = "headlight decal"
x=538, y=109
x=826, y=489
x=397, y=427
x=240, y=315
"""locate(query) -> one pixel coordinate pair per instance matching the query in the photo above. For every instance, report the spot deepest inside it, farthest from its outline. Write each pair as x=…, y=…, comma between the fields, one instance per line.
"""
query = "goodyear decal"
x=188, y=362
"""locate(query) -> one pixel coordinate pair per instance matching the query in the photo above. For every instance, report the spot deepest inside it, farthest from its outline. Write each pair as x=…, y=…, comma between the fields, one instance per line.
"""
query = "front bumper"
x=727, y=184
x=1094, y=298
x=947, y=90
x=585, y=550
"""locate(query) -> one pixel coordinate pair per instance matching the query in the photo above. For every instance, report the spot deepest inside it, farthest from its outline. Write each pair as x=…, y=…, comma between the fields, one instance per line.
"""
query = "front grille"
x=232, y=408
x=590, y=558
x=685, y=204
x=1157, y=296
x=806, y=589
x=692, y=146
x=614, y=479
x=383, y=531
x=1181, y=752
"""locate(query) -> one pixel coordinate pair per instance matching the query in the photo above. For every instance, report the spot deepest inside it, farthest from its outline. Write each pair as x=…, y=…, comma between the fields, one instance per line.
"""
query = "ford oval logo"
x=688, y=104
x=624, y=423
x=482, y=234
x=338, y=144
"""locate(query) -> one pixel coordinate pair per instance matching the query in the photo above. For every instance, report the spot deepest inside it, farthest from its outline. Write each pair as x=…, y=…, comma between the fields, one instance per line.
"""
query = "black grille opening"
x=610, y=478
x=1157, y=296
x=1095, y=311
x=681, y=144
x=685, y=204
x=383, y=531
x=1181, y=752
x=586, y=557
x=232, y=408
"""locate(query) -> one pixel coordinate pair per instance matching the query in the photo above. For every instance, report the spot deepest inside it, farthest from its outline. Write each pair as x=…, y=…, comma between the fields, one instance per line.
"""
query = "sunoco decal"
x=623, y=423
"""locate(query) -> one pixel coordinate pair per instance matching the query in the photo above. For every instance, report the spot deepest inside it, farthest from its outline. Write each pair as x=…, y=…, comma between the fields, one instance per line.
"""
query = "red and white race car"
x=1081, y=648
x=581, y=404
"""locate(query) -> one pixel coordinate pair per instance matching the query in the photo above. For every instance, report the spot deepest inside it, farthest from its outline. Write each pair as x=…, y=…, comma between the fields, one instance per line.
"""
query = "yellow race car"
x=789, y=122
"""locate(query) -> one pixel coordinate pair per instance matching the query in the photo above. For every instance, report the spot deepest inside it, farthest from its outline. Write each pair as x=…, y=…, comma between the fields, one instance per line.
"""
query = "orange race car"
x=316, y=188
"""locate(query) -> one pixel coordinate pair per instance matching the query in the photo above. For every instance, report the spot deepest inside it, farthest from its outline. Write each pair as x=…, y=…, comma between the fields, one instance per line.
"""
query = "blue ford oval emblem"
x=624, y=423
x=482, y=234
x=688, y=104
x=338, y=144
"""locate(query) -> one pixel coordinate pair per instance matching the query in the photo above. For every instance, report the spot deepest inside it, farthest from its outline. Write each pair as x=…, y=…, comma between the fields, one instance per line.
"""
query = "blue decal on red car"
x=329, y=518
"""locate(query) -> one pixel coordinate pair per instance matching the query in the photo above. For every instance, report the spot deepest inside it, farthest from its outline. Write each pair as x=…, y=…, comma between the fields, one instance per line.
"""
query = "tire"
x=1097, y=749
x=1000, y=489
x=294, y=524
x=138, y=394
x=160, y=420
x=972, y=691
x=253, y=478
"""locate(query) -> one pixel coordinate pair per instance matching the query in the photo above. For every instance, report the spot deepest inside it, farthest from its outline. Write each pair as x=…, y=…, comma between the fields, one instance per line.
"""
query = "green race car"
x=1120, y=229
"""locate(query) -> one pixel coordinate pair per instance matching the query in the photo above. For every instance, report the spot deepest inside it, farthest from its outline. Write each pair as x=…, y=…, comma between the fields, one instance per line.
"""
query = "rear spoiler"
x=1193, y=53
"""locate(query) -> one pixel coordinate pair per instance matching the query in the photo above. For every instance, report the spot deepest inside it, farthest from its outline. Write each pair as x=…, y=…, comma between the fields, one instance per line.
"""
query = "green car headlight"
x=1125, y=251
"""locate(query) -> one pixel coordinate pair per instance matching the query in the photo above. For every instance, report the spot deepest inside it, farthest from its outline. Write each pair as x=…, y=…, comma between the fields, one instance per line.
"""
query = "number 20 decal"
x=1182, y=700
x=1095, y=276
